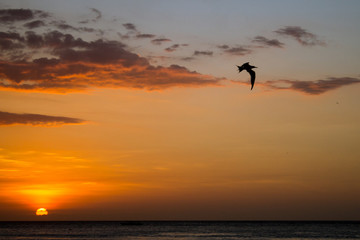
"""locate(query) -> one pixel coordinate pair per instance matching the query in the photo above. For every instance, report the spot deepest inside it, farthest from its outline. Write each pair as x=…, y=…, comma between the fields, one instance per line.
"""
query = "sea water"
x=179, y=230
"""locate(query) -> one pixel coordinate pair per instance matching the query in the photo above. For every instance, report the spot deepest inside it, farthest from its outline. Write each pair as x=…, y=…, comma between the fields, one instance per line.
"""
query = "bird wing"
x=240, y=68
x=252, y=75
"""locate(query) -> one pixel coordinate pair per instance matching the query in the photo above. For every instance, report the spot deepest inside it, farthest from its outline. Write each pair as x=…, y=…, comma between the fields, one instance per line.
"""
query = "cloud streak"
x=98, y=14
x=144, y=35
x=203, y=53
x=159, y=41
x=301, y=35
x=130, y=26
x=235, y=50
x=7, y=118
x=312, y=87
x=263, y=41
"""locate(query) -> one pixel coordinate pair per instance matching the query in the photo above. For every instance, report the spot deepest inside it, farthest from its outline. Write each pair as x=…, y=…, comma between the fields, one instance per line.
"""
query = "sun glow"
x=41, y=212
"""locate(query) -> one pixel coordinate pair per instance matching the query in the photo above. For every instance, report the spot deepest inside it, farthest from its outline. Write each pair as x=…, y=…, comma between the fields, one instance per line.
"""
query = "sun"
x=41, y=212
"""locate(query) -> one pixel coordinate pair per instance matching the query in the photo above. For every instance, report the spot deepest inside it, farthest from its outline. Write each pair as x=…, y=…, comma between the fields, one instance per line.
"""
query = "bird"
x=246, y=66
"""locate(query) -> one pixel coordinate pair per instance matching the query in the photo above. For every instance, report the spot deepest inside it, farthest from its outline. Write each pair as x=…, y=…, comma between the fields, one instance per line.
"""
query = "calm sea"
x=170, y=230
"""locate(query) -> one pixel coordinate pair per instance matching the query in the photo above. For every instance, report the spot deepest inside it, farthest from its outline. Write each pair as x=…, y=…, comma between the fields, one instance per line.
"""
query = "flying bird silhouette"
x=246, y=66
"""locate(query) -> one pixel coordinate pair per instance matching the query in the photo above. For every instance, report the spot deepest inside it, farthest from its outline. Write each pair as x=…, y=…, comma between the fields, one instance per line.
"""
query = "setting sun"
x=41, y=212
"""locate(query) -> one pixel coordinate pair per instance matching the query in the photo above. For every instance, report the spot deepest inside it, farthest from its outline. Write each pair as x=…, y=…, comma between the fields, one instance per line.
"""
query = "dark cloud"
x=7, y=118
x=188, y=59
x=237, y=50
x=61, y=25
x=144, y=35
x=64, y=26
x=34, y=24
x=263, y=41
x=33, y=40
x=172, y=48
x=54, y=40
x=159, y=41
x=76, y=64
x=175, y=47
x=130, y=26
x=37, y=17
x=301, y=35
x=12, y=15
x=134, y=33
x=60, y=61
x=312, y=87
x=89, y=30
x=203, y=53
x=224, y=46
x=10, y=40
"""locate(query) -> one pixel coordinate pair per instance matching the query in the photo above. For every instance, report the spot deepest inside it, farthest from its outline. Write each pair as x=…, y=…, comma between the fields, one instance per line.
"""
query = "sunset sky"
x=134, y=110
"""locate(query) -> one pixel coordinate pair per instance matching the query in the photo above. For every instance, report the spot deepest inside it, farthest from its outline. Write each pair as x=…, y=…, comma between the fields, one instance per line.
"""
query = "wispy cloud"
x=187, y=59
x=7, y=118
x=145, y=35
x=130, y=26
x=235, y=50
x=172, y=48
x=301, y=35
x=203, y=53
x=34, y=24
x=97, y=13
x=265, y=42
x=62, y=25
x=312, y=87
x=175, y=47
x=159, y=41
x=93, y=19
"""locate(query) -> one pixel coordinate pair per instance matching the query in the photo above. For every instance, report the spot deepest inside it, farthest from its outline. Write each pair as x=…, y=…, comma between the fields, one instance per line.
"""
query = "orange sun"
x=41, y=212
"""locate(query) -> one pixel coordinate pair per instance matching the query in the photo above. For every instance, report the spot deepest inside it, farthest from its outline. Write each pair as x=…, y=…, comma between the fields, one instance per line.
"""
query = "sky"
x=135, y=110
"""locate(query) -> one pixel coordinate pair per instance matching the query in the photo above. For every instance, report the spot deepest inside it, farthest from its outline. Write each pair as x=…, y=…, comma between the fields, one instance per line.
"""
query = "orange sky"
x=100, y=122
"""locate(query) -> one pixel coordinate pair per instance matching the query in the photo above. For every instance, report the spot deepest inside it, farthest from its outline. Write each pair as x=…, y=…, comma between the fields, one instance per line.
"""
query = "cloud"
x=37, y=17
x=237, y=50
x=312, y=87
x=10, y=40
x=13, y=15
x=267, y=42
x=98, y=14
x=134, y=33
x=159, y=41
x=64, y=26
x=175, y=47
x=7, y=118
x=172, y=48
x=188, y=59
x=145, y=35
x=73, y=64
x=34, y=24
x=301, y=35
x=203, y=53
x=130, y=26
x=224, y=46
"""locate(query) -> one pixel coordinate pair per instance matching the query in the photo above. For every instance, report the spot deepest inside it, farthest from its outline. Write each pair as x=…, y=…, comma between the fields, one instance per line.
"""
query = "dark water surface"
x=179, y=230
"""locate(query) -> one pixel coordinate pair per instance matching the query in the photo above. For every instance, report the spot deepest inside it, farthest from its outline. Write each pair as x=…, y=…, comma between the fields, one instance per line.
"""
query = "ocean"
x=179, y=230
